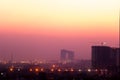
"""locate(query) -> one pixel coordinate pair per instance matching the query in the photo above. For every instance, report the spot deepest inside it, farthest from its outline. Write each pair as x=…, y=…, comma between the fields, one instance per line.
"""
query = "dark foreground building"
x=105, y=57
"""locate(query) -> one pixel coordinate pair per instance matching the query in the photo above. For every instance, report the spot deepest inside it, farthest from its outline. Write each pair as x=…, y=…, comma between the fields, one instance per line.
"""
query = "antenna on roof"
x=103, y=43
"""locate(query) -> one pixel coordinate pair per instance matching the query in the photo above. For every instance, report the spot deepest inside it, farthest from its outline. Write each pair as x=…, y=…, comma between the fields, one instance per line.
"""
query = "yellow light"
x=36, y=69
x=59, y=70
x=11, y=69
x=53, y=66
x=30, y=70
x=41, y=69
x=71, y=70
x=52, y=70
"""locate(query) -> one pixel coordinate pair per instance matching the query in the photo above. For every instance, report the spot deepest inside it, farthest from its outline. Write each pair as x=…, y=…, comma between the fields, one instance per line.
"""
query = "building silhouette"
x=104, y=57
x=115, y=57
x=66, y=56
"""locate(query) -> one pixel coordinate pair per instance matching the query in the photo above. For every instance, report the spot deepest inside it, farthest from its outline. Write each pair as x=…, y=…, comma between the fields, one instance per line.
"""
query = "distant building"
x=66, y=56
x=105, y=57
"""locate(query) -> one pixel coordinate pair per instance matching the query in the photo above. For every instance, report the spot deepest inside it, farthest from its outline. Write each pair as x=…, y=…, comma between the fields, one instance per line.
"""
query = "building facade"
x=105, y=57
x=66, y=56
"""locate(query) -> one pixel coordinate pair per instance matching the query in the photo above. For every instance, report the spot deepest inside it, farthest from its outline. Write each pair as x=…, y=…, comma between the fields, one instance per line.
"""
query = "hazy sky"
x=39, y=29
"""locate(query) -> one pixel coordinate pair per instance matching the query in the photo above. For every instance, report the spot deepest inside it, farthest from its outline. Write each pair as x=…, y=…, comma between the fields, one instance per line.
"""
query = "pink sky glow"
x=39, y=29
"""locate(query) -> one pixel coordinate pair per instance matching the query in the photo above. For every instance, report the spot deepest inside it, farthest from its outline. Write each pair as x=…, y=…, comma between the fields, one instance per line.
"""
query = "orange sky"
x=96, y=20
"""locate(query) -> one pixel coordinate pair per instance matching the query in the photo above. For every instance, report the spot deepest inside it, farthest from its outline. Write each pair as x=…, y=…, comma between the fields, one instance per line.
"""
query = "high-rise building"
x=115, y=60
x=66, y=56
x=105, y=57
x=114, y=56
x=100, y=56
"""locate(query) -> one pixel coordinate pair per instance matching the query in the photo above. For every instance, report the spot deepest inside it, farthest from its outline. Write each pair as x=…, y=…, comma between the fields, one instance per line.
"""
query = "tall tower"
x=105, y=57
x=100, y=56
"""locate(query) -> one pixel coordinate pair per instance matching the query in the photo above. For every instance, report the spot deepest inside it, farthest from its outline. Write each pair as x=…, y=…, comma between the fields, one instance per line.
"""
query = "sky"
x=39, y=29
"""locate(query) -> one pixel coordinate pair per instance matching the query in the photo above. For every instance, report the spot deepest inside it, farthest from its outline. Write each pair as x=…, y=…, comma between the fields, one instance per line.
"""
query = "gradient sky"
x=39, y=29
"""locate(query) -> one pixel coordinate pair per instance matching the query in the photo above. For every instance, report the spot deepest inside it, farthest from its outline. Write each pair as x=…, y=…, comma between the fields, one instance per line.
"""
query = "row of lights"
x=36, y=69
x=59, y=70
x=42, y=70
x=12, y=69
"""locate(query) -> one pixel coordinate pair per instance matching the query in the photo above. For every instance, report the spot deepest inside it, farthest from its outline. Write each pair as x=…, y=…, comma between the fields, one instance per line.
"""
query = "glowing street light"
x=89, y=70
x=79, y=70
x=59, y=70
x=52, y=70
x=18, y=69
x=36, y=70
x=11, y=69
x=53, y=65
x=42, y=69
x=96, y=70
x=71, y=69
x=2, y=73
x=30, y=70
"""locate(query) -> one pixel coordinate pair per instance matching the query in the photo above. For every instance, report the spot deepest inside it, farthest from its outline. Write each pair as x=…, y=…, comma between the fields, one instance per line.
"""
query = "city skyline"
x=40, y=29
